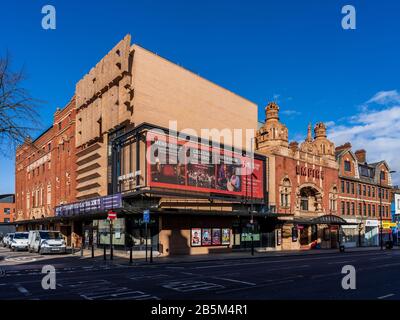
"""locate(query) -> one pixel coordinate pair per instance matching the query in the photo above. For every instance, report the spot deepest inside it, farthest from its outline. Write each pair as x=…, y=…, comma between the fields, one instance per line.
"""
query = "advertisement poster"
x=177, y=164
x=206, y=237
x=195, y=237
x=216, y=237
x=226, y=236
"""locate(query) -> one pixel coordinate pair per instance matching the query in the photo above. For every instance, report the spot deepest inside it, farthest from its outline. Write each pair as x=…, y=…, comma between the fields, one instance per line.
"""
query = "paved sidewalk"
x=139, y=257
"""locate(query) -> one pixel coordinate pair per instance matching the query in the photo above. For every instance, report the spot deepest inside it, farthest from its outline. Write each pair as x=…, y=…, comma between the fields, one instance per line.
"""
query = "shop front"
x=371, y=233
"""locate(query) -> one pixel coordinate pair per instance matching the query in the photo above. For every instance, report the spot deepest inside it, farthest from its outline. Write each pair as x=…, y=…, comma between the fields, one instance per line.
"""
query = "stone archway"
x=309, y=198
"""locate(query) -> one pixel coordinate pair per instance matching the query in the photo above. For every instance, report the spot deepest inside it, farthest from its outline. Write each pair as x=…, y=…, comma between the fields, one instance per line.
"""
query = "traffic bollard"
x=130, y=256
x=82, y=250
x=104, y=255
x=73, y=249
x=92, y=251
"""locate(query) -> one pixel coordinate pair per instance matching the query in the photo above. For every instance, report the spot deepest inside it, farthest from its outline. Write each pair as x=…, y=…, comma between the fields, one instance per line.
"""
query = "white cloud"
x=385, y=97
x=291, y=112
x=376, y=131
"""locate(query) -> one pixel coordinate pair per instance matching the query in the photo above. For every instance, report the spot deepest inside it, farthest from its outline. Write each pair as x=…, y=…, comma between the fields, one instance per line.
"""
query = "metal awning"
x=326, y=219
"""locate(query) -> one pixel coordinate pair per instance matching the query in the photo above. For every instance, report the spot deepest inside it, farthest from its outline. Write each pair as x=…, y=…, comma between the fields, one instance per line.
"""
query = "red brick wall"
x=3, y=215
x=58, y=142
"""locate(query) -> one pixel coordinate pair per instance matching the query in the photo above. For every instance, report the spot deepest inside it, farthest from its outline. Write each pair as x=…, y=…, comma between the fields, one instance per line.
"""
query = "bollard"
x=92, y=251
x=104, y=256
x=151, y=254
x=73, y=249
x=130, y=255
x=82, y=250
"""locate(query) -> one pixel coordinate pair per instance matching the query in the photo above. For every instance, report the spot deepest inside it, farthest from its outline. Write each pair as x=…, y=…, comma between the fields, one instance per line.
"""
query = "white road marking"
x=379, y=258
x=340, y=262
x=22, y=290
x=386, y=296
x=234, y=280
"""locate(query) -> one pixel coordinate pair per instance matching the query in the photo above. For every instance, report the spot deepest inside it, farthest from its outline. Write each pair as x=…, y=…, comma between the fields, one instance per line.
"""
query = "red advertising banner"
x=183, y=165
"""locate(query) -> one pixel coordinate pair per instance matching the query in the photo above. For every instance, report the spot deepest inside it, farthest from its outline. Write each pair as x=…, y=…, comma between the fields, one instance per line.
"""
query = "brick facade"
x=7, y=208
x=45, y=168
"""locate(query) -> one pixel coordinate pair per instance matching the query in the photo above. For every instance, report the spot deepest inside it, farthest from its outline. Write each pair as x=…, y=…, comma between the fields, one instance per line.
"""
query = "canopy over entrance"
x=326, y=219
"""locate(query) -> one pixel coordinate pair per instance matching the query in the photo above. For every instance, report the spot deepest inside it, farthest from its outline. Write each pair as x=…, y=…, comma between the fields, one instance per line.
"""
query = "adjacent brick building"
x=361, y=186
x=7, y=208
x=45, y=172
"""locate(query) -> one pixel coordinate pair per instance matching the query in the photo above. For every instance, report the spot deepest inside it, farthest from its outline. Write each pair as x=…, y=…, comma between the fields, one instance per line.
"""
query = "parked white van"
x=20, y=241
x=46, y=241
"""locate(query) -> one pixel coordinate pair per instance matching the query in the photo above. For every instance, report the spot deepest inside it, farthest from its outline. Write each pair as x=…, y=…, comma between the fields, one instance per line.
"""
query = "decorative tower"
x=273, y=133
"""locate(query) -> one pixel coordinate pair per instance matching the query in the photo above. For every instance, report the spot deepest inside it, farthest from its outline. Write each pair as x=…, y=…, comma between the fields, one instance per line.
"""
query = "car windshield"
x=11, y=236
x=21, y=236
x=49, y=235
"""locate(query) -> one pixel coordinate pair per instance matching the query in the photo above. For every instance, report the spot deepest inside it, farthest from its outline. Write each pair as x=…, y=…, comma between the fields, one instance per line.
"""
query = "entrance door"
x=334, y=237
x=304, y=240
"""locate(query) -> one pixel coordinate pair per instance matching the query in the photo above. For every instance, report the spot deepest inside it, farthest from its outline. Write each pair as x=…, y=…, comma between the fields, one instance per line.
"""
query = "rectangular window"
x=359, y=209
x=352, y=188
x=342, y=186
x=347, y=187
x=373, y=210
x=348, y=208
x=365, y=209
x=347, y=166
x=352, y=209
x=6, y=220
x=373, y=192
x=343, y=208
x=369, y=191
x=7, y=210
x=382, y=175
x=364, y=190
x=369, y=210
x=359, y=189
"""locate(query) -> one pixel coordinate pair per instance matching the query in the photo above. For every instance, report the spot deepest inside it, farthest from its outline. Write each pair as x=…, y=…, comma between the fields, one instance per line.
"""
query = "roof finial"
x=309, y=136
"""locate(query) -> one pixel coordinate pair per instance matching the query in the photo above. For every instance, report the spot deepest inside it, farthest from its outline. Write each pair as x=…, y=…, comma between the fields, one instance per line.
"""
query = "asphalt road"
x=293, y=277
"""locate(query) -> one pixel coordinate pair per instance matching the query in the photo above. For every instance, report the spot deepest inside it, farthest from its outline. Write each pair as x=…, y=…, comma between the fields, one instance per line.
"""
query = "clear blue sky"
x=295, y=52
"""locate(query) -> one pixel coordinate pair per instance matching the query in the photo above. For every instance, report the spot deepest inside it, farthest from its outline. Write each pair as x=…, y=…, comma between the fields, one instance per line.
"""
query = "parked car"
x=7, y=239
x=46, y=241
x=20, y=241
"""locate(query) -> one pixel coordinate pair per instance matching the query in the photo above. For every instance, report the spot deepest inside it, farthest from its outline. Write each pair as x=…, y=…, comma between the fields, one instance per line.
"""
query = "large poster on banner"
x=183, y=165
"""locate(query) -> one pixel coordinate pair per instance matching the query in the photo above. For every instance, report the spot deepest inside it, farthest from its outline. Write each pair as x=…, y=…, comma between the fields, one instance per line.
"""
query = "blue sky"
x=295, y=52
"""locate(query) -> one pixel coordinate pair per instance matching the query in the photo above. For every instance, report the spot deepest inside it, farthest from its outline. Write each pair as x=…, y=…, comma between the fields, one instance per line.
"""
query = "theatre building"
x=364, y=193
x=137, y=147
x=303, y=185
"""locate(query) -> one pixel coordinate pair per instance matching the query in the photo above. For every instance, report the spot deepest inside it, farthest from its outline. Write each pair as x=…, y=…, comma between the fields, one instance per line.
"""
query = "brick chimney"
x=361, y=155
x=345, y=146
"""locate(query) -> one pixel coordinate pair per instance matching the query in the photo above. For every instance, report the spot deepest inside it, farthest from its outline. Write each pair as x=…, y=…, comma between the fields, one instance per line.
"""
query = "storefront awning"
x=329, y=219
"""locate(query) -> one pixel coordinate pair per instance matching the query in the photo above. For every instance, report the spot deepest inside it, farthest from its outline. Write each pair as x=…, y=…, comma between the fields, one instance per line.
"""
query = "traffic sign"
x=112, y=215
x=146, y=216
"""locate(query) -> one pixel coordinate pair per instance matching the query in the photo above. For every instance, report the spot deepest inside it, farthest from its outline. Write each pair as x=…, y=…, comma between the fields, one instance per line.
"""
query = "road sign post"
x=146, y=220
x=111, y=216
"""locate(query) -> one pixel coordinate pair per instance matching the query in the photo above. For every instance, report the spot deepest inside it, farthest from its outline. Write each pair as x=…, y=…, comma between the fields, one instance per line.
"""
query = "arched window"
x=285, y=190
